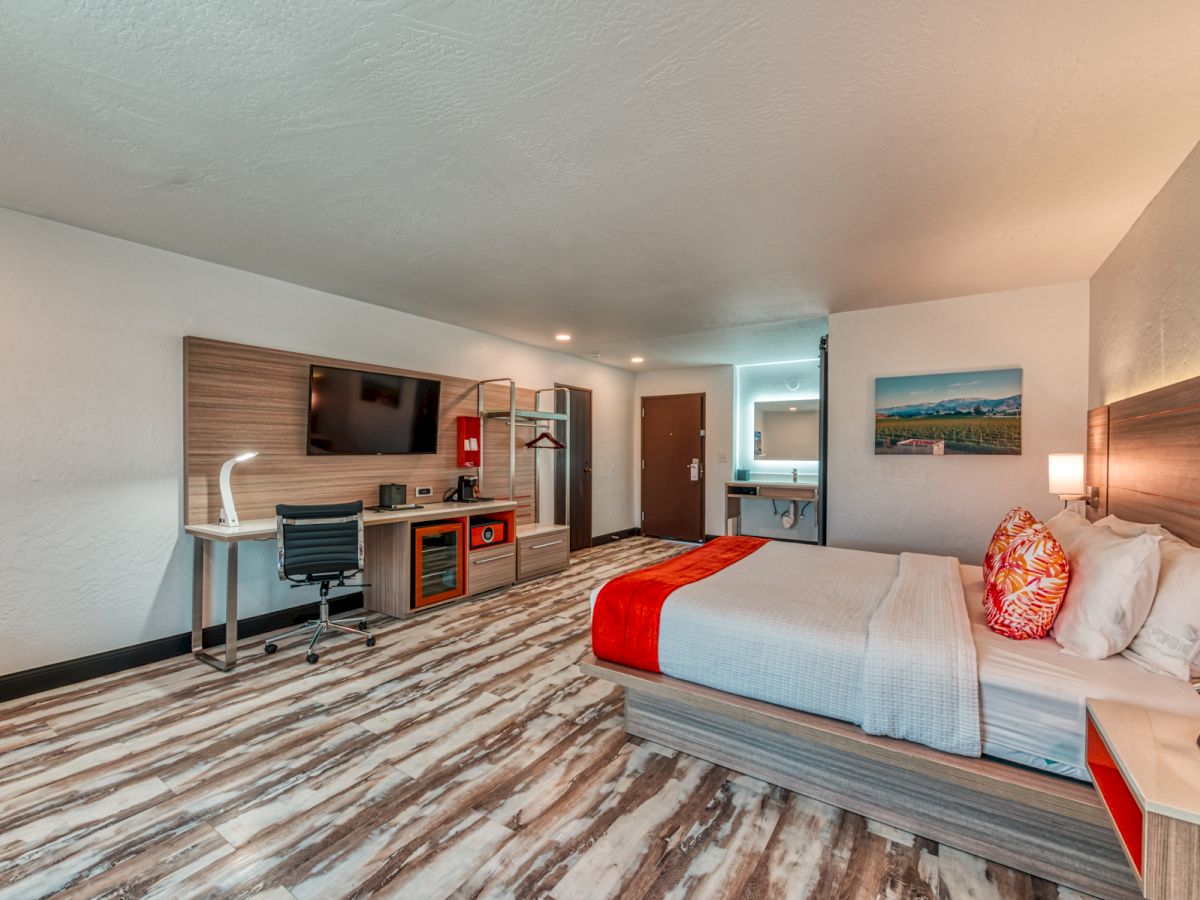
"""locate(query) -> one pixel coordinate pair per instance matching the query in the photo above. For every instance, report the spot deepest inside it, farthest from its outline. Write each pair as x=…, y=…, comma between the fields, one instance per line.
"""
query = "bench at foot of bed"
x=1038, y=823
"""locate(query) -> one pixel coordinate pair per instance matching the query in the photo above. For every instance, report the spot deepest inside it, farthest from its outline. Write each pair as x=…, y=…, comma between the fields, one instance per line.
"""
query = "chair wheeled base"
x=321, y=626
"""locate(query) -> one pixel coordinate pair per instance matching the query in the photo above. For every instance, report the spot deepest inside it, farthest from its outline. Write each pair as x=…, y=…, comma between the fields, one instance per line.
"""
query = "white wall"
x=91, y=545
x=716, y=382
x=1145, y=320
x=952, y=504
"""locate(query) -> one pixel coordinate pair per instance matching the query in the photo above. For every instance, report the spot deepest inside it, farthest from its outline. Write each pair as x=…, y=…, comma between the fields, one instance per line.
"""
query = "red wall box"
x=469, y=429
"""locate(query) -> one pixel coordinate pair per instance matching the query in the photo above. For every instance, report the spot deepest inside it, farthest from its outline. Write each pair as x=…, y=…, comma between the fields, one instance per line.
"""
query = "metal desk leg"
x=201, y=562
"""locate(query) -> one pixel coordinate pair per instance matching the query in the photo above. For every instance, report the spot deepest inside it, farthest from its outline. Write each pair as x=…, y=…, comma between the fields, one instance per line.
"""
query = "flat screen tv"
x=367, y=413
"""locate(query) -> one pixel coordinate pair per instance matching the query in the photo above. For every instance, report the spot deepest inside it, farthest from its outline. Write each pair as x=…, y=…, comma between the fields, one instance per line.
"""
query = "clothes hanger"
x=551, y=440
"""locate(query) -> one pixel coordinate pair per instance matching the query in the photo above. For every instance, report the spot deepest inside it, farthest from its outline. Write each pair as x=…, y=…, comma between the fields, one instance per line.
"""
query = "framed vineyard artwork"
x=949, y=414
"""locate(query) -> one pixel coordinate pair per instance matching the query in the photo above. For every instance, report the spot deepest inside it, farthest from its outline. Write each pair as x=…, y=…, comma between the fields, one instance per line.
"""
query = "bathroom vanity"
x=802, y=493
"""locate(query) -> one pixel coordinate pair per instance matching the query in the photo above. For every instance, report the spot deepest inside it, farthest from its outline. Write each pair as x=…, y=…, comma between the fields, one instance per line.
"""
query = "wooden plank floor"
x=464, y=756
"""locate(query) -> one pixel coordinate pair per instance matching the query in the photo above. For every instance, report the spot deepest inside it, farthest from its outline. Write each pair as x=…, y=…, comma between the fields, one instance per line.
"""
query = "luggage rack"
x=528, y=418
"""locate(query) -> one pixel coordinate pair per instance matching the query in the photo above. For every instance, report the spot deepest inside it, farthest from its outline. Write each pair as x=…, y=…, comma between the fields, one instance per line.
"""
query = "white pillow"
x=1169, y=642
x=1113, y=580
x=1067, y=527
x=1124, y=528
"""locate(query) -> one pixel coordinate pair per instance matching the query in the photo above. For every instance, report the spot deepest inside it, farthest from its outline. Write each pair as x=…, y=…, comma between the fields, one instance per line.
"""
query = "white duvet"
x=878, y=640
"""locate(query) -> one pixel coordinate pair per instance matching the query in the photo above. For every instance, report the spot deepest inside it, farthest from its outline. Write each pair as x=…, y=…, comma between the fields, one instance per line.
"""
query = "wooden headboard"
x=238, y=397
x=1144, y=457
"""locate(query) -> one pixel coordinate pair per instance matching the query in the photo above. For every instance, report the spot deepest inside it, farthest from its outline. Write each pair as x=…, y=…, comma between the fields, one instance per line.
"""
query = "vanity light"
x=228, y=513
x=562, y=337
x=636, y=359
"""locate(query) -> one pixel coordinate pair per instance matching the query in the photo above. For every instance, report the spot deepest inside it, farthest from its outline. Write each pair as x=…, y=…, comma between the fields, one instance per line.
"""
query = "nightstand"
x=1146, y=768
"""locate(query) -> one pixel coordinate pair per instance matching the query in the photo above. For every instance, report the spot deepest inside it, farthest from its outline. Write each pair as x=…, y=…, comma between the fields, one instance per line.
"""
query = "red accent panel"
x=469, y=428
x=626, y=618
x=1122, y=805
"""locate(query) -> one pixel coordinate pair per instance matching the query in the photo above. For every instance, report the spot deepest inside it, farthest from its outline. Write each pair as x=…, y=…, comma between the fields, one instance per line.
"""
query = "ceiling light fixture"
x=636, y=359
x=791, y=409
x=562, y=337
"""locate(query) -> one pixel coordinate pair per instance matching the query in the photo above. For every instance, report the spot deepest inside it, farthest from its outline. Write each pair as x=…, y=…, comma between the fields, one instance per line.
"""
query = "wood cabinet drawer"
x=541, y=553
x=489, y=568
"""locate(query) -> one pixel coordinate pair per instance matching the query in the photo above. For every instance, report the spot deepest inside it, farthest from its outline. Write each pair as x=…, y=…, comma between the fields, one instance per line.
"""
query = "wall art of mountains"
x=957, y=406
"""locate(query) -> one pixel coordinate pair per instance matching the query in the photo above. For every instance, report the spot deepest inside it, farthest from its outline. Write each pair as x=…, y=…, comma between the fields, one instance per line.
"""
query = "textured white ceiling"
x=622, y=170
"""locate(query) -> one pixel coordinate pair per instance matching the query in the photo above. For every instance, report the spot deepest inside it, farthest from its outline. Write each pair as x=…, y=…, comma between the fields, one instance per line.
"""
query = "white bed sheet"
x=1032, y=696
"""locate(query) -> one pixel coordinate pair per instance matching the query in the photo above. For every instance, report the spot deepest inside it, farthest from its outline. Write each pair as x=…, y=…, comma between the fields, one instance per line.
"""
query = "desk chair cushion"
x=320, y=549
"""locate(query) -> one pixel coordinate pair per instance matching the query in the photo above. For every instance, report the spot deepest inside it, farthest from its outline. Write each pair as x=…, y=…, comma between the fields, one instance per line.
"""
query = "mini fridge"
x=439, y=563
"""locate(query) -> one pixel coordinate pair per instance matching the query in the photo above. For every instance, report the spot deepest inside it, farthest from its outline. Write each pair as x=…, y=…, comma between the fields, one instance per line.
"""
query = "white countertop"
x=531, y=529
x=767, y=483
x=259, y=529
x=1157, y=754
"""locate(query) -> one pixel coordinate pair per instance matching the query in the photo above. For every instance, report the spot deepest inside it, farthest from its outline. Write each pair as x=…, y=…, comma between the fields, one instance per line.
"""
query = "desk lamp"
x=228, y=513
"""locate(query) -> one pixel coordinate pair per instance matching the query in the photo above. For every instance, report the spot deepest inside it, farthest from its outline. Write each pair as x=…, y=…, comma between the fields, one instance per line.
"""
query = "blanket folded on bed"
x=878, y=640
x=921, y=678
x=625, y=623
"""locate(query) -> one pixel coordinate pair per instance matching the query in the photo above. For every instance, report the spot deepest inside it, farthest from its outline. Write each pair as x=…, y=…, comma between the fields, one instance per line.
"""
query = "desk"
x=737, y=491
x=389, y=579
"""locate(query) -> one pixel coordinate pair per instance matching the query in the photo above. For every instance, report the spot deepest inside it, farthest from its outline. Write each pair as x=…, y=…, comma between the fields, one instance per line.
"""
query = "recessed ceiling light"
x=791, y=409
x=636, y=359
x=562, y=337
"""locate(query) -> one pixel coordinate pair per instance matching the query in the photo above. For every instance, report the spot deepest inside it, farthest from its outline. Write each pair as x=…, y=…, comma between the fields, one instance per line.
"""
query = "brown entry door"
x=673, y=466
x=579, y=442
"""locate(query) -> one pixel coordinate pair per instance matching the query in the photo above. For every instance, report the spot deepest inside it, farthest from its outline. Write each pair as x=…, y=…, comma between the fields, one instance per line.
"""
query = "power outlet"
x=423, y=492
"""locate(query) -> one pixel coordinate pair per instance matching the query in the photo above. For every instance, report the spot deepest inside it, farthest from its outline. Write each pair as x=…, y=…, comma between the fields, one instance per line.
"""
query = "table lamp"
x=228, y=513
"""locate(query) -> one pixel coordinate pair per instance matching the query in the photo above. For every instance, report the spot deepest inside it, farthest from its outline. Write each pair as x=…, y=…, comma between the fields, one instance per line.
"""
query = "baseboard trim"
x=601, y=539
x=71, y=671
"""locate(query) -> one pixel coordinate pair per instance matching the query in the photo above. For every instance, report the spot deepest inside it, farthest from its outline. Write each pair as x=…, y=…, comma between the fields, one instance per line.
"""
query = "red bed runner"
x=626, y=617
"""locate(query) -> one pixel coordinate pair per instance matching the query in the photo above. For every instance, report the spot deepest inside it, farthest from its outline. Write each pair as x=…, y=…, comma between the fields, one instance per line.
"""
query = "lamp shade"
x=1066, y=474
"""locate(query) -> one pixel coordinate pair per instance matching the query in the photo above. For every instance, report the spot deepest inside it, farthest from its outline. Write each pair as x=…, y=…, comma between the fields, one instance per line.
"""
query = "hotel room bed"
x=737, y=631
x=1011, y=805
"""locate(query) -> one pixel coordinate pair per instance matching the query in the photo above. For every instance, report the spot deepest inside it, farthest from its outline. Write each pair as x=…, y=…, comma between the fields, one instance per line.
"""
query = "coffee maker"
x=467, y=490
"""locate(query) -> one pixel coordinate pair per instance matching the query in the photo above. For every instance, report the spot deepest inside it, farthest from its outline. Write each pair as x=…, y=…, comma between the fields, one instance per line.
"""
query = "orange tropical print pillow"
x=1017, y=520
x=1027, y=586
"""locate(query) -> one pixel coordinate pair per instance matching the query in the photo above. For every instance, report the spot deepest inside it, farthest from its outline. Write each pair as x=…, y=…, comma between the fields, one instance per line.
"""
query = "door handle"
x=694, y=470
x=477, y=562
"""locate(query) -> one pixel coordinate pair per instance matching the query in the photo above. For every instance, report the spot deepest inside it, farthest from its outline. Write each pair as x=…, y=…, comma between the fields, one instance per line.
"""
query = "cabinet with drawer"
x=491, y=567
x=542, y=549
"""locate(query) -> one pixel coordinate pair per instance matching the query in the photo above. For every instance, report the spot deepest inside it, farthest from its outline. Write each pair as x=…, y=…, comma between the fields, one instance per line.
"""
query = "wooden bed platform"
x=1143, y=460
x=1048, y=826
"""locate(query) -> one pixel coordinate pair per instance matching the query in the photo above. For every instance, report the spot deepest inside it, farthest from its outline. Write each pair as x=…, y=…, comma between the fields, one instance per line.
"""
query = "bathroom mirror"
x=786, y=429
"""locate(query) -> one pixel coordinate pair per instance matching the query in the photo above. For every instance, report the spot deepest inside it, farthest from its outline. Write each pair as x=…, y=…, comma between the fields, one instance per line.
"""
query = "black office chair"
x=320, y=544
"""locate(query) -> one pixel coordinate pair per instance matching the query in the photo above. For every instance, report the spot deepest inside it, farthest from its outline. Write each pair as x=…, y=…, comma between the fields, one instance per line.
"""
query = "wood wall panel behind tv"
x=239, y=398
